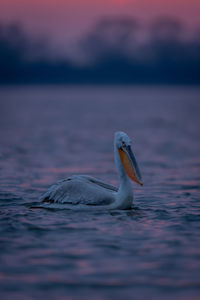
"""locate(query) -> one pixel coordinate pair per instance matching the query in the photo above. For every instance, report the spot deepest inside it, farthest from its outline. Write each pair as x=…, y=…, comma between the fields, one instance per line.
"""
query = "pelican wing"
x=54, y=192
x=80, y=189
x=96, y=181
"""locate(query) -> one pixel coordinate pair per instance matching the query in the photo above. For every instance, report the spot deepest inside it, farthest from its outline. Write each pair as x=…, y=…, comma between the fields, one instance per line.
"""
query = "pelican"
x=86, y=192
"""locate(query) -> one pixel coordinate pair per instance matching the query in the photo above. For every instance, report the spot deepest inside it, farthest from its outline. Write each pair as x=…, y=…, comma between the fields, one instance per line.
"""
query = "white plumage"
x=86, y=192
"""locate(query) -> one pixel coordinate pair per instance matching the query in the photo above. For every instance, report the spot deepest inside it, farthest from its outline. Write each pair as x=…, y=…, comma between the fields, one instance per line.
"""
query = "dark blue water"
x=149, y=252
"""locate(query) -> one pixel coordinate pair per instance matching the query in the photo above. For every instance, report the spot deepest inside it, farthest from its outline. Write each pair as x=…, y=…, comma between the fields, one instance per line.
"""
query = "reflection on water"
x=150, y=251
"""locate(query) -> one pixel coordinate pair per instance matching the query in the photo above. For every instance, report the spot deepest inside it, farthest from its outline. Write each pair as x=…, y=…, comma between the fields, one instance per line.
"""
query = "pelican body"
x=86, y=192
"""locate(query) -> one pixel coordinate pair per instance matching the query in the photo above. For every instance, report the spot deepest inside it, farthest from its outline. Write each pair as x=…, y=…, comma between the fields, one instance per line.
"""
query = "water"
x=149, y=252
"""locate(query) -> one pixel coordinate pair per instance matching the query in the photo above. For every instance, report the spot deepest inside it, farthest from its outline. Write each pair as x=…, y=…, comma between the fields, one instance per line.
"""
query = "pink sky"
x=67, y=19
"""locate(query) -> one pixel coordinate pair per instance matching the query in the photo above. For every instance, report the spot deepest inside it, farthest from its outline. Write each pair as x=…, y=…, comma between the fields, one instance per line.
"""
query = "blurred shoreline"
x=117, y=51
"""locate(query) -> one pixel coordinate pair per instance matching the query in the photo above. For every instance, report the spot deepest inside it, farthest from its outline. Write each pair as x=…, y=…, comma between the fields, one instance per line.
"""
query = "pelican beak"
x=130, y=164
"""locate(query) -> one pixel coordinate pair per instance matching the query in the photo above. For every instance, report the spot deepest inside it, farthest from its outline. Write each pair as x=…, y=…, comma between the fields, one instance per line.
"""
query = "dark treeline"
x=113, y=52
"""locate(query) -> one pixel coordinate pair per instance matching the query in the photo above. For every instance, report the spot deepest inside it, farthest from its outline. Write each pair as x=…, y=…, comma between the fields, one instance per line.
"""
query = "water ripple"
x=150, y=251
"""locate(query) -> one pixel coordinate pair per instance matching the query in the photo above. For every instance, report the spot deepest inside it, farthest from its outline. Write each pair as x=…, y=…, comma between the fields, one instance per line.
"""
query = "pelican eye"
x=123, y=144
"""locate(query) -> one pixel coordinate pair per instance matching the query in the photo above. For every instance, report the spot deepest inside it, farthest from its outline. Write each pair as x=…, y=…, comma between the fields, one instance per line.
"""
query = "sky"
x=67, y=20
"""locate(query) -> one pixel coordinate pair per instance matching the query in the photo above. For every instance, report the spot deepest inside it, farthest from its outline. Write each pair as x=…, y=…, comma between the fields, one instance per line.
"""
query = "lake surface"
x=149, y=252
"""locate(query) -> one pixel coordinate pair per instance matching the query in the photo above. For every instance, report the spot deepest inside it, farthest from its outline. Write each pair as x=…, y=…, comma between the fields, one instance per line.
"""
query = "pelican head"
x=123, y=146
